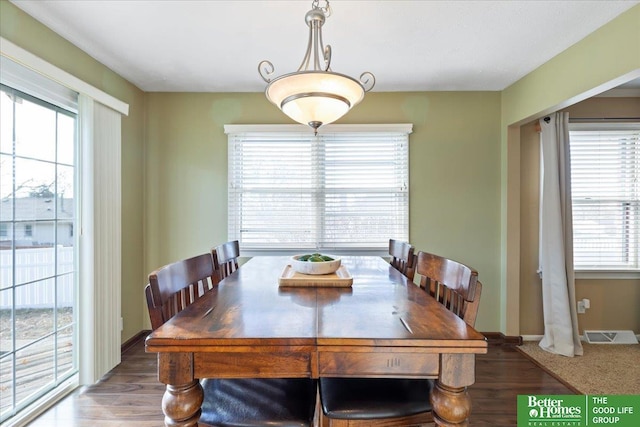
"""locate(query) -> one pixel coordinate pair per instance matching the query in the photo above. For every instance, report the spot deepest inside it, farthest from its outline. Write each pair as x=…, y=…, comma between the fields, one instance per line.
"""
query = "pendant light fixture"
x=314, y=95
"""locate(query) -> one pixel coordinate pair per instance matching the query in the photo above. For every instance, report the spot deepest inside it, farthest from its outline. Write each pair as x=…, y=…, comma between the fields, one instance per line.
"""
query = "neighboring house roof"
x=36, y=208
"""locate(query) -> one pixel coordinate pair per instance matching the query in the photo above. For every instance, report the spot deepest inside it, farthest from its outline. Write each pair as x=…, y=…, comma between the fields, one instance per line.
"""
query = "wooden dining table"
x=382, y=326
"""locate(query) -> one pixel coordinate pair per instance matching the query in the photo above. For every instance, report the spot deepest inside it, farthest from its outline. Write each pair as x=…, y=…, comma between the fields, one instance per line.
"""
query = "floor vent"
x=610, y=337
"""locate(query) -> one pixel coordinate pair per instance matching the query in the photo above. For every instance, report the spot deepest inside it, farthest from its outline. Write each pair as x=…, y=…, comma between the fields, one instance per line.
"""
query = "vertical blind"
x=605, y=180
x=339, y=191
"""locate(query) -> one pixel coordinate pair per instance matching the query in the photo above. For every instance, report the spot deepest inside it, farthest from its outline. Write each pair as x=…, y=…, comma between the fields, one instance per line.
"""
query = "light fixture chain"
x=326, y=9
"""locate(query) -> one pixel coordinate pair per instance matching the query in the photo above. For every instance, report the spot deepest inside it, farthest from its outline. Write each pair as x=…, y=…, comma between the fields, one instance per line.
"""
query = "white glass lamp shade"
x=315, y=97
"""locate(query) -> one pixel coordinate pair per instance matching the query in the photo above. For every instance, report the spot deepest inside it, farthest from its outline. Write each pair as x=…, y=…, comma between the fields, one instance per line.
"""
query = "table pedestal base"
x=451, y=406
x=181, y=404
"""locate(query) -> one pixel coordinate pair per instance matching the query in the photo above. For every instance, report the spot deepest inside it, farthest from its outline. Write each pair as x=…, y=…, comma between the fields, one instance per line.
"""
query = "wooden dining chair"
x=453, y=284
x=402, y=257
x=390, y=402
x=175, y=286
x=279, y=402
x=225, y=257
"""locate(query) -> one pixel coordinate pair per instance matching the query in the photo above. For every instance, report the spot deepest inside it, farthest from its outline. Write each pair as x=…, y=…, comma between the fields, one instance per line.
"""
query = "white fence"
x=32, y=266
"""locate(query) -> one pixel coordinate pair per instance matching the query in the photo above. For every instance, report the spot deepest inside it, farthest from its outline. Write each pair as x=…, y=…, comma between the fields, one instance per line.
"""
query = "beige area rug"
x=603, y=369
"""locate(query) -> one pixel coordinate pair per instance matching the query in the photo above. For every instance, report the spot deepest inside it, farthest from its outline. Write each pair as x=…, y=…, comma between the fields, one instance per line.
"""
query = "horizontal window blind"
x=335, y=192
x=605, y=180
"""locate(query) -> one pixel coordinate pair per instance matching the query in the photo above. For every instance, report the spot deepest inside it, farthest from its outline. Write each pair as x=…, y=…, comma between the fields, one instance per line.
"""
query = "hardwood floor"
x=501, y=375
x=130, y=395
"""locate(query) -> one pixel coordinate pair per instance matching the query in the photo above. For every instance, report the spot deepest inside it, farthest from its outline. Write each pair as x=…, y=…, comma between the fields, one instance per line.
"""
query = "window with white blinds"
x=345, y=190
x=605, y=180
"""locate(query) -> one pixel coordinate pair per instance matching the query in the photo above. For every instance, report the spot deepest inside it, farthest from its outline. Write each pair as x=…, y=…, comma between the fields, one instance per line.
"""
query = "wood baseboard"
x=140, y=336
x=498, y=338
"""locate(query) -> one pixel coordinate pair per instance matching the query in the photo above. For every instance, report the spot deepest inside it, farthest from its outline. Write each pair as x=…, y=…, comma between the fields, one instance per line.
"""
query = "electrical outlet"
x=583, y=305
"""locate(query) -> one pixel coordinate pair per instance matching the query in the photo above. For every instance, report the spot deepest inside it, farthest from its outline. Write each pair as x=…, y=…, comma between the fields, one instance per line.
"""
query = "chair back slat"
x=451, y=283
x=225, y=256
x=402, y=257
x=470, y=311
x=175, y=286
x=156, y=313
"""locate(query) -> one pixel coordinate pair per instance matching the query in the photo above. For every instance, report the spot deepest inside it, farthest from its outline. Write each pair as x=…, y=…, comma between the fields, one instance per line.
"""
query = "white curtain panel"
x=556, y=240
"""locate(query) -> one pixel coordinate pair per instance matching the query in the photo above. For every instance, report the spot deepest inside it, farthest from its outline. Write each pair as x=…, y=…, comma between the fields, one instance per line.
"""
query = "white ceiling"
x=215, y=46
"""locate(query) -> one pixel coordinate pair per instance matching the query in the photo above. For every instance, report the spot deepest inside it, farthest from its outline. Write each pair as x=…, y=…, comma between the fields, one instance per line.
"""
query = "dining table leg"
x=182, y=400
x=449, y=399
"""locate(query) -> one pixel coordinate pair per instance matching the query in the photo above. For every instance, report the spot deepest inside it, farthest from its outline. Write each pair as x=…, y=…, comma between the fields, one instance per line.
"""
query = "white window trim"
x=599, y=273
x=42, y=404
x=29, y=60
x=607, y=274
x=603, y=125
x=390, y=127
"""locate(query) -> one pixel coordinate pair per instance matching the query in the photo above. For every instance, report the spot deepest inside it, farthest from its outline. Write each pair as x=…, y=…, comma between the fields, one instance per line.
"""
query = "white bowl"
x=319, y=267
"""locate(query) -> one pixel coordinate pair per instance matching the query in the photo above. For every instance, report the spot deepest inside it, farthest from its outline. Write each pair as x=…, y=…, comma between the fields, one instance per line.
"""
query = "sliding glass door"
x=38, y=346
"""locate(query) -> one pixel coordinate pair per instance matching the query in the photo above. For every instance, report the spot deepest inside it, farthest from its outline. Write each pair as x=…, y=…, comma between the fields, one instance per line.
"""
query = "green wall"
x=604, y=59
x=19, y=28
x=605, y=56
x=174, y=155
x=454, y=173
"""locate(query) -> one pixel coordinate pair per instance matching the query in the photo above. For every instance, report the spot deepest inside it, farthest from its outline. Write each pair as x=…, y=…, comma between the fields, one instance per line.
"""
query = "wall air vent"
x=610, y=337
